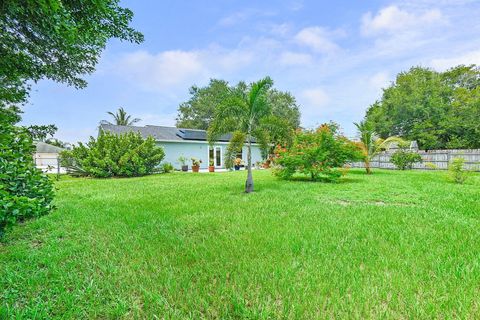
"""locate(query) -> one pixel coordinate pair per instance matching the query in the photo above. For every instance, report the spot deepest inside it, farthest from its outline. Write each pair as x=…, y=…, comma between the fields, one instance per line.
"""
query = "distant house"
x=46, y=156
x=189, y=143
x=394, y=146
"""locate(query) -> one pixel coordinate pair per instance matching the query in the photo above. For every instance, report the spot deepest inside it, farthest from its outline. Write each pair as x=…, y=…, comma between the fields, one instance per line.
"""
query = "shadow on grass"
x=375, y=172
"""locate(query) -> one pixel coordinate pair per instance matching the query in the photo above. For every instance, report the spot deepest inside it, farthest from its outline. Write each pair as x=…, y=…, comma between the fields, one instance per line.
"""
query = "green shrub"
x=430, y=165
x=456, y=170
x=405, y=159
x=111, y=155
x=25, y=192
x=319, y=154
x=166, y=167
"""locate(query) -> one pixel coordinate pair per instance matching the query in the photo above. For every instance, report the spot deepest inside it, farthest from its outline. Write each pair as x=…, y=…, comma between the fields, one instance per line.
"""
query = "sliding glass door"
x=215, y=155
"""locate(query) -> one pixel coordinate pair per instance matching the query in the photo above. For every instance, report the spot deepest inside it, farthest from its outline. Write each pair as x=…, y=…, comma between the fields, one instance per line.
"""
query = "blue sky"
x=334, y=56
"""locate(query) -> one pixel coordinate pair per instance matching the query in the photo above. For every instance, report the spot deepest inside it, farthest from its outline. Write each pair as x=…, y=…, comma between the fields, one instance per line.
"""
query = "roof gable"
x=42, y=147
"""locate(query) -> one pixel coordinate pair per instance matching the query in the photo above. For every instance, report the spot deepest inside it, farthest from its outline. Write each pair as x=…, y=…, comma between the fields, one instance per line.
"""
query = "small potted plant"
x=211, y=166
x=196, y=164
x=183, y=163
x=237, y=162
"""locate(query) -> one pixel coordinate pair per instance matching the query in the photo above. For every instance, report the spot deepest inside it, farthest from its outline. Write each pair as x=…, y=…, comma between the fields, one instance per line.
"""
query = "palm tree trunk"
x=249, y=182
x=367, y=166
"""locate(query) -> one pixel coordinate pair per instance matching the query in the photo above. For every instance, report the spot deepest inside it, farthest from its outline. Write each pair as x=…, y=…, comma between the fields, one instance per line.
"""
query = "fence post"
x=58, y=168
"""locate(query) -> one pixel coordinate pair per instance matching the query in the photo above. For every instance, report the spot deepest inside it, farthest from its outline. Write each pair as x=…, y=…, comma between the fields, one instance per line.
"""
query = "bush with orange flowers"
x=318, y=154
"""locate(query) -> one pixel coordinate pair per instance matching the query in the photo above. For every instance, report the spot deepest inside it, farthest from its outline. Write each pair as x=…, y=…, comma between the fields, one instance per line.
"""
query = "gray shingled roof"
x=42, y=147
x=162, y=133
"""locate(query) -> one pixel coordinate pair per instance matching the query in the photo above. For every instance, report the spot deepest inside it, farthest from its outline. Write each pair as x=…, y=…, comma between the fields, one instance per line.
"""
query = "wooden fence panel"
x=431, y=159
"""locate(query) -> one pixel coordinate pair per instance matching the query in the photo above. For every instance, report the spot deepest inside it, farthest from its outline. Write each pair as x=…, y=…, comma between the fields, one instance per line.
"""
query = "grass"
x=390, y=245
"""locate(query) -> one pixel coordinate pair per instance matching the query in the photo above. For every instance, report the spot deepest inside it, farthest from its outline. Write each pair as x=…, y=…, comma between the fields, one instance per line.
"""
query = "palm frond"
x=257, y=97
x=229, y=116
x=122, y=118
x=383, y=144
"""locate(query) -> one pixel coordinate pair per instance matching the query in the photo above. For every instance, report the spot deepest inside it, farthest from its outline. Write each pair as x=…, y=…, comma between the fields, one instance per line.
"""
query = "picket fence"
x=431, y=159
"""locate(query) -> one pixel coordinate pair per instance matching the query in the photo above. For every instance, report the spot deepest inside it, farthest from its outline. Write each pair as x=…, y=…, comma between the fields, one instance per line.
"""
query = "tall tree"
x=198, y=111
x=284, y=105
x=248, y=114
x=57, y=39
x=122, y=118
x=437, y=109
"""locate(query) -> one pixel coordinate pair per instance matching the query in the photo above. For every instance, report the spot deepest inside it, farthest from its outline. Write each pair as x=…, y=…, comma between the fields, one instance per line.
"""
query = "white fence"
x=431, y=159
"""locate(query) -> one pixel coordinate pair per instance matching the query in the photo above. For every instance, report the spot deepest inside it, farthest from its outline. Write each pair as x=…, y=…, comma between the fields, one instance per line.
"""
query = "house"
x=188, y=143
x=46, y=157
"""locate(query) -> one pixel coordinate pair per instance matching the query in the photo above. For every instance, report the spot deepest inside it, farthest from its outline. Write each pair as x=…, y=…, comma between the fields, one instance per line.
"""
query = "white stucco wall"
x=45, y=159
x=200, y=150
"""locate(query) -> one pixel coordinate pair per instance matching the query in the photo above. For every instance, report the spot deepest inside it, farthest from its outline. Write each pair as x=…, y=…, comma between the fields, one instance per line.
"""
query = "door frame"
x=214, y=149
x=215, y=156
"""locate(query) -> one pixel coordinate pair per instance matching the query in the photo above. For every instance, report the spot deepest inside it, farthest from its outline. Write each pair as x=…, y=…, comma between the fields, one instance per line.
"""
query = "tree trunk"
x=367, y=166
x=249, y=182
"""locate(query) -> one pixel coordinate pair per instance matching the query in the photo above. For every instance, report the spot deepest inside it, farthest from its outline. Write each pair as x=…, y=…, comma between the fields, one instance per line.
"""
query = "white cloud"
x=282, y=29
x=472, y=57
x=242, y=16
x=317, y=38
x=289, y=58
x=169, y=70
x=162, y=70
x=314, y=99
x=231, y=60
x=393, y=19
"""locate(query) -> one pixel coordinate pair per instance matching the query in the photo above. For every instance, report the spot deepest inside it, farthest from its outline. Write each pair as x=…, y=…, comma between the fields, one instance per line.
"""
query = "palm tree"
x=247, y=114
x=370, y=144
x=121, y=118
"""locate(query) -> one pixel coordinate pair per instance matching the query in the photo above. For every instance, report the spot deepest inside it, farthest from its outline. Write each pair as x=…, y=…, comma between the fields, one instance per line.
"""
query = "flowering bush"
x=319, y=154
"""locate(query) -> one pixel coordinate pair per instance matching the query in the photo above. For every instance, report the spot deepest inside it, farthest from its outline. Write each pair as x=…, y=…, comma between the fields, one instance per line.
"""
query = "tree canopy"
x=56, y=39
x=198, y=111
x=437, y=109
x=41, y=132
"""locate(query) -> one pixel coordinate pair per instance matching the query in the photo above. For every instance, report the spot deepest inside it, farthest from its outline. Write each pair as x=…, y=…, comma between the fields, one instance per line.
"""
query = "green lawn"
x=391, y=245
